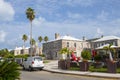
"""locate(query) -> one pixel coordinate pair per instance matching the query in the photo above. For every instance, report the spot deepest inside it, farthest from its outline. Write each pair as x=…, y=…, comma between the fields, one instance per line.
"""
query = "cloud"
x=103, y=15
x=2, y=36
x=6, y=11
x=74, y=15
x=83, y=3
x=98, y=33
x=38, y=21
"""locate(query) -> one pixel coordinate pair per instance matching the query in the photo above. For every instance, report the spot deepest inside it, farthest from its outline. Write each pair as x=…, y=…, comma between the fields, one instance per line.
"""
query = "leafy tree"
x=86, y=55
x=4, y=52
x=24, y=38
x=40, y=39
x=64, y=51
x=22, y=56
x=9, y=70
x=45, y=38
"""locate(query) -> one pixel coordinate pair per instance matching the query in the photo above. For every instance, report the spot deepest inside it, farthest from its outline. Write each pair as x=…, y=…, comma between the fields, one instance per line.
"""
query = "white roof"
x=101, y=47
x=27, y=47
x=68, y=38
x=19, y=48
x=107, y=38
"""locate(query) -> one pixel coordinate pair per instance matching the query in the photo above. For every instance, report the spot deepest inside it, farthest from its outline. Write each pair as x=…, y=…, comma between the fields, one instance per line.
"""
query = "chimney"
x=102, y=36
x=83, y=38
x=57, y=35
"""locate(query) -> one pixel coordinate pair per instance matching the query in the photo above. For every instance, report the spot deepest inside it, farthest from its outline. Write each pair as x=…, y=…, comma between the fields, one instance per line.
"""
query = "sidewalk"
x=52, y=66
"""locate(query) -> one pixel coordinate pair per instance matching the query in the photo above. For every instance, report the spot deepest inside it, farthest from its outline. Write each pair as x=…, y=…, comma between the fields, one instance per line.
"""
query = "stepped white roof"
x=107, y=38
x=101, y=47
x=20, y=48
x=68, y=38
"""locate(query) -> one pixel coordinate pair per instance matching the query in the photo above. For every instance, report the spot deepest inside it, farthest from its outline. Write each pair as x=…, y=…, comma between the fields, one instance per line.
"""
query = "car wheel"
x=23, y=68
x=30, y=68
x=40, y=69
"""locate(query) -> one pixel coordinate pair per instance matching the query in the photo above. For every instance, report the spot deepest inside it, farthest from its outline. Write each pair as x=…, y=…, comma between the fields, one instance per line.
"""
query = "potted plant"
x=97, y=63
x=84, y=65
x=111, y=64
x=63, y=63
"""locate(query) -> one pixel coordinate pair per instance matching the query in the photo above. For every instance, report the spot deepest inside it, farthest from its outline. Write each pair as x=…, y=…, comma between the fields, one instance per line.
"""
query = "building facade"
x=26, y=50
x=106, y=40
x=51, y=49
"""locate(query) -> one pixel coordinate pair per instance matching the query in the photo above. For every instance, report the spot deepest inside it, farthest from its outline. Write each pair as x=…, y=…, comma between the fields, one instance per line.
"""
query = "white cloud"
x=99, y=32
x=39, y=21
x=103, y=15
x=6, y=11
x=83, y=3
x=2, y=36
x=74, y=15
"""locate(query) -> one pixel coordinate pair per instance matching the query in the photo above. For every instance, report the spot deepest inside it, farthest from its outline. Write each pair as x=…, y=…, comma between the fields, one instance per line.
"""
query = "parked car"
x=32, y=63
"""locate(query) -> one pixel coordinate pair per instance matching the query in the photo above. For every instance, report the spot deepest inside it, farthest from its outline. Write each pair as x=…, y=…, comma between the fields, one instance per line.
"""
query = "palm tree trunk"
x=31, y=39
x=110, y=56
x=24, y=48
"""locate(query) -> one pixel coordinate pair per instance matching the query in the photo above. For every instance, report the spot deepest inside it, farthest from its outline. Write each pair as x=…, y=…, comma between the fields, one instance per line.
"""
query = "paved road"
x=43, y=75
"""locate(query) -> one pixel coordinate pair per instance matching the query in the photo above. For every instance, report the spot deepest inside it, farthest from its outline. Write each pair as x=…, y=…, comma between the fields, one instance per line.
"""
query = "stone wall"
x=51, y=49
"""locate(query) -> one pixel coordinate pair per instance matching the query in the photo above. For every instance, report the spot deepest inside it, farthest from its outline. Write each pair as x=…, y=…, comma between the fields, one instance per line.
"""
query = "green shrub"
x=9, y=70
x=92, y=69
x=42, y=55
x=97, y=57
x=86, y=55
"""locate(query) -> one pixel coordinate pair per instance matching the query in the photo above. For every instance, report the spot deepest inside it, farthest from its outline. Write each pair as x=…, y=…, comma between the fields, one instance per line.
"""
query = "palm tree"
x=109, y=49
x=33, y=42
x=30, y=15
x=40, y=39
x=24, y=38
x=45, y=38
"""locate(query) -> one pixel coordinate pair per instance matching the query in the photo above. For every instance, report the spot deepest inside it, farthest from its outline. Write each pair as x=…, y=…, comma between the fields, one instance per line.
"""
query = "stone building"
x=99, y=44
x=51, y=49
x=106, y=40
x=26, y=50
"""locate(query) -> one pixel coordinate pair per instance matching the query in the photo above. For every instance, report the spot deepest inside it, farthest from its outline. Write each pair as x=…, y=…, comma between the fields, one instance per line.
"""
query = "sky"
x=77, y=18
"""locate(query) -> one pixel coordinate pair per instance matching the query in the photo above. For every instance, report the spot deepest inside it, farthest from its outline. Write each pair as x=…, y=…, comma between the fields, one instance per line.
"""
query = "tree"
x=9, y=70
x=24, y=38
x=45, y=38
x=64, y=52
x=40, y=39
x=109, y=49
x=30, y=15
x=33, y=42
x=4, y=52
x=86, y=55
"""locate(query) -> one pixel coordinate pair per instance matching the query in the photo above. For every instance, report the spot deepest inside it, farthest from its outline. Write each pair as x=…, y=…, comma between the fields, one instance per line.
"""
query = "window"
x=74, y=44
x=56, y=54
x=67, y=44
x=81, y=45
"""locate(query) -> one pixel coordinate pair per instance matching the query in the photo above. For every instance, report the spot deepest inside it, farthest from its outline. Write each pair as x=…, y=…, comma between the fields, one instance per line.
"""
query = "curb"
x=87, y=74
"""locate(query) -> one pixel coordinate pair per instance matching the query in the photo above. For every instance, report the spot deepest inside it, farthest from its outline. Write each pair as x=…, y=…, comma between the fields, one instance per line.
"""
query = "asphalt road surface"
x=43, y=75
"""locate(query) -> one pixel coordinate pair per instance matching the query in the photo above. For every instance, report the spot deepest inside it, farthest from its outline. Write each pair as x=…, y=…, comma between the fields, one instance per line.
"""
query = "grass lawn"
x=46, y=61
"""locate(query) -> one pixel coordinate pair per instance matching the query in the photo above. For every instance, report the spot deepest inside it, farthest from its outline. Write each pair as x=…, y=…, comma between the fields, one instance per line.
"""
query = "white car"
x=32, y=63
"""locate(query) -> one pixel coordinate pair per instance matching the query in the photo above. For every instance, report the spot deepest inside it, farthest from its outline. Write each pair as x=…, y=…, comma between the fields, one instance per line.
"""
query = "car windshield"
x=38, y=58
